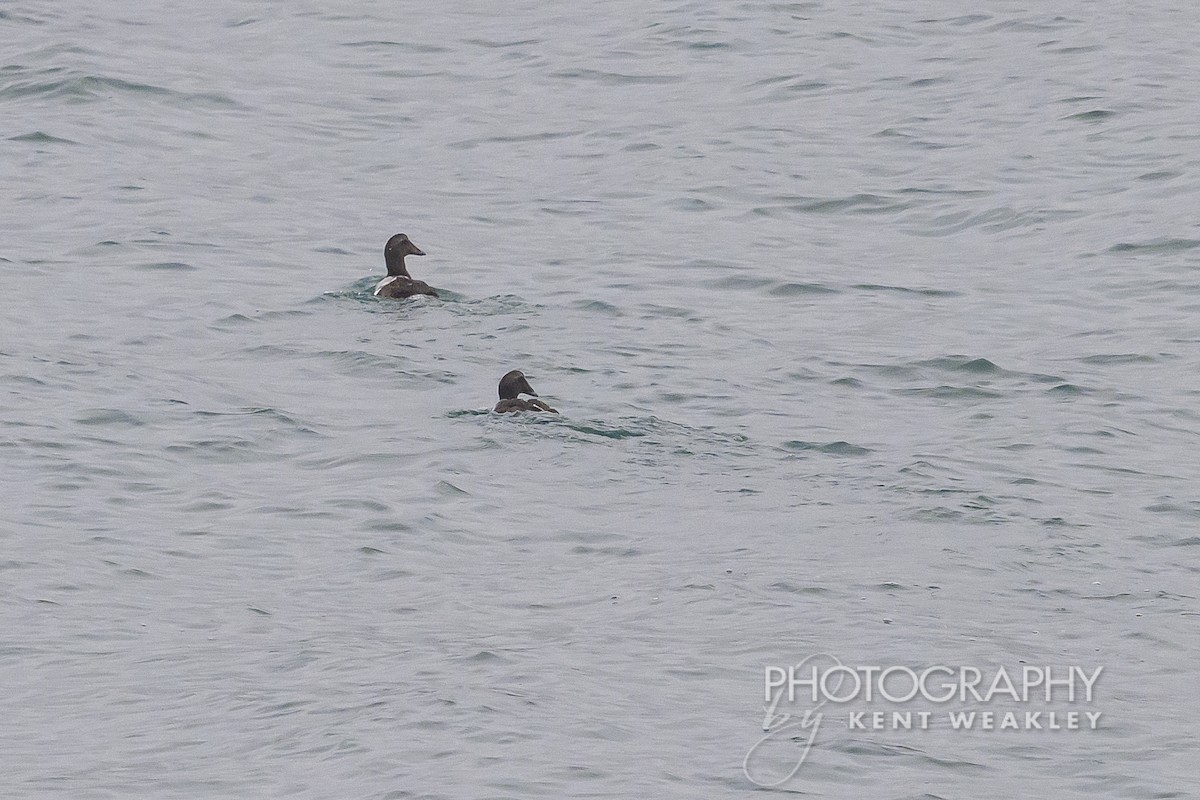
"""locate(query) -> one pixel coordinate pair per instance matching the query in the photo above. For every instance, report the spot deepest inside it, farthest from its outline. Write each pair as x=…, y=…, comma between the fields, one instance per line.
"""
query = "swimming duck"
x=512, y=385
x=399, y=284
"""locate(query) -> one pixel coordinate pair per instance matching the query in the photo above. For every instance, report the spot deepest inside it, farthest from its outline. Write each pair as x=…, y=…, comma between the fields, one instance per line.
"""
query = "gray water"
x=873, y=328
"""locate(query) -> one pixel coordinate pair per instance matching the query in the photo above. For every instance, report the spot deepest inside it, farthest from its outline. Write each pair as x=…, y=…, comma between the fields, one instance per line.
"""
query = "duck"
x=512, y=385
x=399, y=284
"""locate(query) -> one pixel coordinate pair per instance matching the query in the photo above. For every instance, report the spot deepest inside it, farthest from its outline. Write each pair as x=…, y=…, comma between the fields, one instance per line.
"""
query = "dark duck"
x=399, y=284
x=512, y=386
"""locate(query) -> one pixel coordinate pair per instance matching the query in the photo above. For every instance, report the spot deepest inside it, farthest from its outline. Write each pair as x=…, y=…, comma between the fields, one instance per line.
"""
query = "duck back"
x=519, y=404
x=399, y=287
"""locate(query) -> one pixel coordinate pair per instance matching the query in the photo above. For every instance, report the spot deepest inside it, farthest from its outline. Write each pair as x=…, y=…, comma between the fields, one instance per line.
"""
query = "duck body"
x=512, y=385
x=519, y=404
x=399, y=284
x=399, y=287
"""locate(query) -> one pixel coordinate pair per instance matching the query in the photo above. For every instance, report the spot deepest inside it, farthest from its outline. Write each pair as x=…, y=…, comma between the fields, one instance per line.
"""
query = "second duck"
x=512, y=385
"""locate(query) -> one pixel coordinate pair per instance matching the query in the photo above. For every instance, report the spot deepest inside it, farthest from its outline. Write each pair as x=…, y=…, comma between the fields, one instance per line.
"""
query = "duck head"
x=514, y=384
x=394, y=252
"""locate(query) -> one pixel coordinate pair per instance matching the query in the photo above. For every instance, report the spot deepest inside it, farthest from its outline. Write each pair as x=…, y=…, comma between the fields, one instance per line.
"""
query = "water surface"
x=872, y=326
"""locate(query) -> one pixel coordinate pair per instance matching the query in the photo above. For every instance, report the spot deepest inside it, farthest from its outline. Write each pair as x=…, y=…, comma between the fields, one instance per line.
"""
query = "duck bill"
x=527, y=389
x=416, y=251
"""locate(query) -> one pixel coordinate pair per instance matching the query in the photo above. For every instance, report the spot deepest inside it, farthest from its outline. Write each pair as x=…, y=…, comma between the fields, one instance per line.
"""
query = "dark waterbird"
x=399, y=284
x=512, y=385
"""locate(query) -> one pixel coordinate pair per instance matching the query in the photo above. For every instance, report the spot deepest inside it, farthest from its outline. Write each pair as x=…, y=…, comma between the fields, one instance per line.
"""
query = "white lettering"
x=948, y=685
x=1008, y=688
x=883, y=692
x=1031, y=677
x=1067, y=683
x=843, y=672
x=961, y=720
x=1089, y=682
x=772, y=683
x=966, y=684
x=867, y=673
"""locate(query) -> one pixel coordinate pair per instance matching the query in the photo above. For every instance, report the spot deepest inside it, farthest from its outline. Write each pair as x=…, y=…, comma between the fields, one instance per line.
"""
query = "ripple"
x=1119, y=358
x=852, y=204
x=110, y=417
x=1156, y=246
x=502, y=44
x=541, y=136
x=797, y=289
x=606, y=432
x=165, y=266
x=979, y=366
x=386, y=45
x=838, y=448
x=1097, y=115
x=40, y=137
x=953, y=393
x=615, y=78
x=992, y=220
x=876, y=287
x=92, y=87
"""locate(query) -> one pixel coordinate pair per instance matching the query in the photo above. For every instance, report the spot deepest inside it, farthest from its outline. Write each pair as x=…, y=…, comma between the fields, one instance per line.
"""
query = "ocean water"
x=873, y=327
